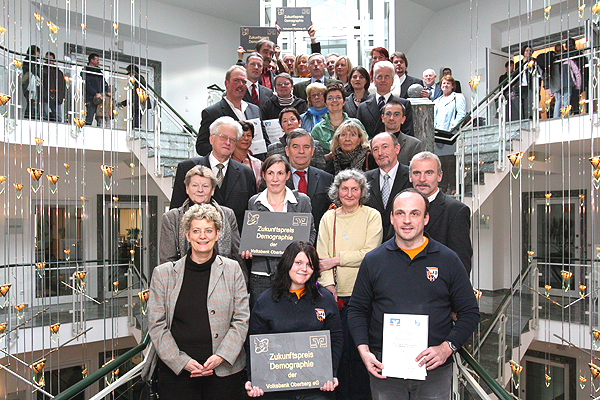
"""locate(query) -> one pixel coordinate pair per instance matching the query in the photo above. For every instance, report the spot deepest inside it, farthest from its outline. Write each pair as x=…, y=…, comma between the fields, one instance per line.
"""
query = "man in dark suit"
x=431, y=90
x=256, y=93
x=393, y=118
x=316, y=66
x=449, y=219
x=400, y=62
x=306, y=179
x=369, y=111
x=235, y=181
x=231, y=105
x=382, y=188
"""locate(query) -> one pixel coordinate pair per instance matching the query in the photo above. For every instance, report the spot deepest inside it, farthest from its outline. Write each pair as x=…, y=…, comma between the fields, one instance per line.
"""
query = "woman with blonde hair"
x=301, y=66
x=315, y=94
x=350, y=149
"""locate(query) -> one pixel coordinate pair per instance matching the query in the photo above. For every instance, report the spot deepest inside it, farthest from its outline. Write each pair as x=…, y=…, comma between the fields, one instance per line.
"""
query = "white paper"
x=259, y=145
x=404, y=337
x=273, y=129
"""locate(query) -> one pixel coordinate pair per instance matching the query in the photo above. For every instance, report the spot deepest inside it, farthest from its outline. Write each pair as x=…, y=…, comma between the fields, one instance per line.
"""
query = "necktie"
x=220, y=174
x=430, y=89
x=254, y=94
x=386, y=189
x=381, y=103
x=302, y=184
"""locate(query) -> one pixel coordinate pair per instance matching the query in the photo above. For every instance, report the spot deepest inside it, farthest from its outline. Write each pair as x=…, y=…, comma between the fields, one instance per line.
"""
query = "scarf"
x=574, y=72
x=354, y=159
x=317, y=114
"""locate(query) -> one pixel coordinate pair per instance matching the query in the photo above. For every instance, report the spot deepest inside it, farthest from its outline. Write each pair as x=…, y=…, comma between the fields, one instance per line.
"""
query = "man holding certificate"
x=409, y=285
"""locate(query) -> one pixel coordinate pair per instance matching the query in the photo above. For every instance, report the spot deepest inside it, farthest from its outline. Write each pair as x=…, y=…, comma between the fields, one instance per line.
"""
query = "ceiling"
x=244, y=12
x=433, y=5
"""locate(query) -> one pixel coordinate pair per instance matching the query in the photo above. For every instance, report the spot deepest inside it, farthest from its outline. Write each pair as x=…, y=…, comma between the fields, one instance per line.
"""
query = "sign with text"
x=291, y=361
x=250, y=35
x=293, y=18
x=268, y=233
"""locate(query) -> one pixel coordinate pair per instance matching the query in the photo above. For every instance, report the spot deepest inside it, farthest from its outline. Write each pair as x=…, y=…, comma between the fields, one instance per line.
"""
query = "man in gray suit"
x=393, y=118
x=449, y=219
x=231, y=105
x=388, y=180
x=256, y=93
x=316, y=66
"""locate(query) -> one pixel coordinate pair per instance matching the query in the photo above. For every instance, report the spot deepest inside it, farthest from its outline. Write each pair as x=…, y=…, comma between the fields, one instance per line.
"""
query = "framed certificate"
x=404, y=338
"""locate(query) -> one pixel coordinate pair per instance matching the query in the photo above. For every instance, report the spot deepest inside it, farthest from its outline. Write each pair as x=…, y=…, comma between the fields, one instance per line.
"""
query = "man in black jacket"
x=95, y=87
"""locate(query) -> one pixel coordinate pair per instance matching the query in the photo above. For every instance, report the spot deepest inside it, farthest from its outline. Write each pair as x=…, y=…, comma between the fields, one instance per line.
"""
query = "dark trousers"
x=308, y=394
x=256, y=285
x=182, y=386
x=352, y=373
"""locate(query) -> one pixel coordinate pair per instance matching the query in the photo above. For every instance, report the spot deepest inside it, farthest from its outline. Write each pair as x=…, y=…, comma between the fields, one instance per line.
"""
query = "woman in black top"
x=290, y=306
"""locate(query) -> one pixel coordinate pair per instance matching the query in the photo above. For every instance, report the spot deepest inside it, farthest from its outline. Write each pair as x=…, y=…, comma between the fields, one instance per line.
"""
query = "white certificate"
x=258, y=145
x=404, y=337
x=273, y=129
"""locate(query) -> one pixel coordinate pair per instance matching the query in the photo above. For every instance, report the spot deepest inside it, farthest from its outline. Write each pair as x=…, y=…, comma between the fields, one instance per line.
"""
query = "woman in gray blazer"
x=198, y=317
x=200, y=183
x=277, y=197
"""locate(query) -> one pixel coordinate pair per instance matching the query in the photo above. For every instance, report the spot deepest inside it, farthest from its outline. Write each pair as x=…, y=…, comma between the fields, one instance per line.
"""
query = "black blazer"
x=318, y=187
x=410, y=80
x=211, y=113
x=263, y=95
x=350, y=107
x=300, y=88
x=237, y=188
x=375, y=200
x=271, y=108
x=369, y=114
x=450, y=224
x=409, y=146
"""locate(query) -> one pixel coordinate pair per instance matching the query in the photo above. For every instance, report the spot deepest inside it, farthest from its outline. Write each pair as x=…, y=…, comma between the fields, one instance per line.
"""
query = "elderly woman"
x=200, y=183
x=198, y=317
x=335, y=99
x=295, y=291
x=242, y=152
x=342, y=68
x=350, y=148
x=282, y=98
x=316, y=106
x=301, y=66
x=277, y=197
x=289, y=119
x=449, y=108
x=359, y=81
x=346, y=234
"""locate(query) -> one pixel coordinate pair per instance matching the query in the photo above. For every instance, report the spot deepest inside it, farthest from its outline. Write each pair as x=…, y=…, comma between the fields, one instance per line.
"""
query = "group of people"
x=383, y=237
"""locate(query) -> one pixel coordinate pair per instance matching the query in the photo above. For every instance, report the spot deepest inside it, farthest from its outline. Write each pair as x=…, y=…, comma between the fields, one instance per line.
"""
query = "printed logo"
x=305, y=11
x=280, y=11
x=299, y=221
x=432, y=273
x=252, y=219
x=261, y=346
x=245, y=31
x=320, y=314
x=394, y=321
x=317, y=341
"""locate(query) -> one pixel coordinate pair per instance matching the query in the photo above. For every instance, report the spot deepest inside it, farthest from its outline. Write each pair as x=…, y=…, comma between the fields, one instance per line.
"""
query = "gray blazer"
x=269, y=264
x=174, y=245
x=228, y=313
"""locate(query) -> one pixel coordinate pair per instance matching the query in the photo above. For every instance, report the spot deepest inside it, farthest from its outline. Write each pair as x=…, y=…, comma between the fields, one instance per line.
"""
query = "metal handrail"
x=494, y=386
x=102, y=372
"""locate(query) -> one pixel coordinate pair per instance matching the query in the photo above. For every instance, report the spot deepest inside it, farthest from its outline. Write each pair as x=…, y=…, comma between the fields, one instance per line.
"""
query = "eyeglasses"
x=395, y=114
x=223, y=136
x=282, y=84
x=332, y=98
x=382, y=77
x=315, y=95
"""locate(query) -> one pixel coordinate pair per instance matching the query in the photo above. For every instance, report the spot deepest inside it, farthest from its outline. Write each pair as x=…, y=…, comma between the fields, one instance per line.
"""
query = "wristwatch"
x=452, y=346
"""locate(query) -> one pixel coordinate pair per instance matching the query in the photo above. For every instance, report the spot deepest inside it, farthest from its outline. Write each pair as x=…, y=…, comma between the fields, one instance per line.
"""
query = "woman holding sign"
x=198, y=317
x=297, y=303
x=277, y=197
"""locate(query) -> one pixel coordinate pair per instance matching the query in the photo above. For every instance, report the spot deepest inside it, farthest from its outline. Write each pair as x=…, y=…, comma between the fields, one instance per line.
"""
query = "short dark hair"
x=401, y=55
x=288, y=110
x=282, y=282
x=274, y=159
x=524, y=47
x=364, y=73
x=50, y=54
x=247, y=126
x=92, y=56
x=332, y=87
x=395, y=103
x=413, y=190
x=255, y=54
x=263, y=42
x=446, y=69
x=299, y=132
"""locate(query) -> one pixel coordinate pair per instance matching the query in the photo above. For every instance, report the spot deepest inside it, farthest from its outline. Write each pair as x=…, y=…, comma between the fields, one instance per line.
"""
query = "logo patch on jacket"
x=320, y=314
x=432, y=273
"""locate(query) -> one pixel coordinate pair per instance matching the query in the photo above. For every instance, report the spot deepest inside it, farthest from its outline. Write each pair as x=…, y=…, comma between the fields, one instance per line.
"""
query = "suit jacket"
x=402, y=91
x=263, y=94
x=369, y=114
x=450, y=224
x=238, y=186
x=228, y=313
x=317, y=189
x=272, y=79
x=300, y=88
x=271, y=108
x=409, y=146
x=211, y=113
x=437, y=92
x=350, y=107
x=376, y=201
